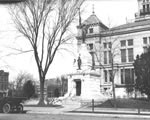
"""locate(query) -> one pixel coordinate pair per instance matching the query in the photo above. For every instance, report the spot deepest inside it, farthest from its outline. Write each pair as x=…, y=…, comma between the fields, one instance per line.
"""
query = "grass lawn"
x=126, y=103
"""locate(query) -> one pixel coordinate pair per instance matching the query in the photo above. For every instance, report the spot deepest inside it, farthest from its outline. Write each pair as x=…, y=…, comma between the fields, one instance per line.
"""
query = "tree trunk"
x=113, y=82
x=114, y=95
x=41, y=101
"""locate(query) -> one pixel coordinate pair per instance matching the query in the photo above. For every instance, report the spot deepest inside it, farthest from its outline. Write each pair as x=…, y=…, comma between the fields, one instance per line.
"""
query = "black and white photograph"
x=74, y=59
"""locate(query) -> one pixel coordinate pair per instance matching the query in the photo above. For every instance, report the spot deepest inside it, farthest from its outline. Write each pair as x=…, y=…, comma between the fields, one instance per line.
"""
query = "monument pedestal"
x=85, y=82
x=86, y=85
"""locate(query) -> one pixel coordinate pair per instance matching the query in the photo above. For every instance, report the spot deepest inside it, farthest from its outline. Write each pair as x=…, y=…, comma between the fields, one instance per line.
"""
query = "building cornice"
x=125, y=31
x=84, y=74
x=120, y=65
x=117, y=32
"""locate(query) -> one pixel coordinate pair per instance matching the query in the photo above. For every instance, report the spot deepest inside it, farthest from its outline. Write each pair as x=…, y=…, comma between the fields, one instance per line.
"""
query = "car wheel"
x=6, y=108
x=20, y=108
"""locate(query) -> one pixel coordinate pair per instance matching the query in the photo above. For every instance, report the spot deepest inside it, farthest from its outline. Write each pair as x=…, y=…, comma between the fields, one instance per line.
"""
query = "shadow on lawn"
x=50, y=105
x=125, y=103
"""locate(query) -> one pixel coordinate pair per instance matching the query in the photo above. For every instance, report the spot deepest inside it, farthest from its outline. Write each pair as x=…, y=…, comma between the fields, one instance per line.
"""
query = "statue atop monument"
x=79, y=61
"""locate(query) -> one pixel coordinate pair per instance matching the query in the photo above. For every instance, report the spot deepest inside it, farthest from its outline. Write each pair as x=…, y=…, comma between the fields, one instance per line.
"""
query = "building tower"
x=84, y=82
x=143, y=10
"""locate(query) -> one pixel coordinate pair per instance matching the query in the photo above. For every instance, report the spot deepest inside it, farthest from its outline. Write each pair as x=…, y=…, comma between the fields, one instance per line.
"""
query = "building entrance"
x=78, y=88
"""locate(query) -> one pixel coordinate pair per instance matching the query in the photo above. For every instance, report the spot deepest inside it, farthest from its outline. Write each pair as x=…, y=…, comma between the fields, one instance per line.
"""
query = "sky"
x=110, y=12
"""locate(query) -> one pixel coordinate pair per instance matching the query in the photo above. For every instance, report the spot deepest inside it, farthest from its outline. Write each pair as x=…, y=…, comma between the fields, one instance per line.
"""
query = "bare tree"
x=45, y=24
x=113, y=50
x=21, y=78
x=19, y=81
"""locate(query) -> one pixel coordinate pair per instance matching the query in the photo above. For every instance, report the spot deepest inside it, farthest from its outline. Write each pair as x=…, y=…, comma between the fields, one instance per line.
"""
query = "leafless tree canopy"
x=45, y=24
x=21, y=78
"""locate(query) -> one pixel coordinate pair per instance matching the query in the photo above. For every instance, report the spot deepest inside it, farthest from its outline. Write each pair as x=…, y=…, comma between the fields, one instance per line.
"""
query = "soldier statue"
x=79, y=62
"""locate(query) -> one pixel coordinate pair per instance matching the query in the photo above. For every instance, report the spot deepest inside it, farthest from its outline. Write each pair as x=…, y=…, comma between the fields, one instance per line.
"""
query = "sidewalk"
x=75, y=110
x=49, y=110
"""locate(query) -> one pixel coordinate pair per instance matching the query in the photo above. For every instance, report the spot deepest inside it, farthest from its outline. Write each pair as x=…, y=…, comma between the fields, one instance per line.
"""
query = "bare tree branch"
x=45, y=24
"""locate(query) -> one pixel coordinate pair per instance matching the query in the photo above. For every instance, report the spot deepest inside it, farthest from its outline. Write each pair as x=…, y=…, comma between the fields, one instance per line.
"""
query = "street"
x=58, y=117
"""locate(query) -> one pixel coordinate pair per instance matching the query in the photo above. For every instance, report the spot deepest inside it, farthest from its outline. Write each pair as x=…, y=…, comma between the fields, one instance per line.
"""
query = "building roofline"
x=94, y=24
x=118, y=32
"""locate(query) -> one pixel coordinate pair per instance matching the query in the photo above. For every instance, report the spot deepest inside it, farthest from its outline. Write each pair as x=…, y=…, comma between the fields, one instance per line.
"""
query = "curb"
x=97, y=114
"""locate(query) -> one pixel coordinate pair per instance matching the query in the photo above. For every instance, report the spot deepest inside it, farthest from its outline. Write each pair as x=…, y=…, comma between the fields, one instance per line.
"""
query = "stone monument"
x=84, y=82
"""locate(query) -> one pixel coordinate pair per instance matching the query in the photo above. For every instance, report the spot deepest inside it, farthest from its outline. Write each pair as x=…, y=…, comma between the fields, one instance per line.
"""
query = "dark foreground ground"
x=126, y=110
x=58, y=117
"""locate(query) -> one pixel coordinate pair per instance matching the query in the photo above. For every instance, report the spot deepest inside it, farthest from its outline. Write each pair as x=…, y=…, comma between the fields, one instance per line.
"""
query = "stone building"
x=110, y=51
x=4, y=80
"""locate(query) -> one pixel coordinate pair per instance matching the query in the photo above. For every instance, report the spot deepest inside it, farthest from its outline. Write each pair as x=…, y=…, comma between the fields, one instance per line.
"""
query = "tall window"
x=110, y=75
x=130, y=55
x=122, y=76
x=123, y=55
x=143, y=8
x=146, y=42
x=105, y=57
x=127, y=54
x=105, y=76
x=147, y=7
x=127, y=76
